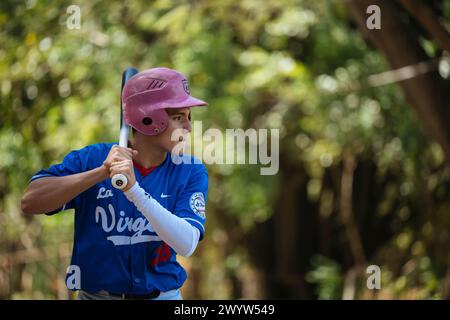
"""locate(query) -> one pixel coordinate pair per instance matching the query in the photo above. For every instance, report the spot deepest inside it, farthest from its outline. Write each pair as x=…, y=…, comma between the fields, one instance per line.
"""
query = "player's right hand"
x=117, y=154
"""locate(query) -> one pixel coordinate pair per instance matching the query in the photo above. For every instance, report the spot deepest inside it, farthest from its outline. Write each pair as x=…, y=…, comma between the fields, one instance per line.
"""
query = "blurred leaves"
x=298, y=66
x=327, y=275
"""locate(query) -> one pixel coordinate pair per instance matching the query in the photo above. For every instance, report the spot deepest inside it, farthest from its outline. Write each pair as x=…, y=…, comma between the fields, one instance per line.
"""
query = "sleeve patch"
x=197, y=204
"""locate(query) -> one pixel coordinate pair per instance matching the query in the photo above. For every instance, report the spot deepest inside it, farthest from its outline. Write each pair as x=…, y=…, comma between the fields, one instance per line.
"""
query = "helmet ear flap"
x=153, y=123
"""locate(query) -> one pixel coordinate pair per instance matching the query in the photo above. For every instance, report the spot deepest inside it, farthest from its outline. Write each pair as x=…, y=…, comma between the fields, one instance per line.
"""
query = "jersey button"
x=137, y=280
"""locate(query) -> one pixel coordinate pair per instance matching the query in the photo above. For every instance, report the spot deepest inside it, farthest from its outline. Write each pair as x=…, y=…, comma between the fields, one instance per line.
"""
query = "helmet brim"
x=189, y=102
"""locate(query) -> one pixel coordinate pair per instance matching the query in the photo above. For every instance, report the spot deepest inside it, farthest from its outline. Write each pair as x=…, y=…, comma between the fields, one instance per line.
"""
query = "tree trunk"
x=434, y=24
x=281, y=248
x=428, y=93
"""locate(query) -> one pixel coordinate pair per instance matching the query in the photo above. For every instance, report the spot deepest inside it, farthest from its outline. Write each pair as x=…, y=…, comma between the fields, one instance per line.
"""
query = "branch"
x=434, y=24
x=346, y=209
x=428, y=93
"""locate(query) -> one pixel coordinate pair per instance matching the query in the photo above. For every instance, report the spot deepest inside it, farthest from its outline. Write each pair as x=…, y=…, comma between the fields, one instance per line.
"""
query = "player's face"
x=178, y=128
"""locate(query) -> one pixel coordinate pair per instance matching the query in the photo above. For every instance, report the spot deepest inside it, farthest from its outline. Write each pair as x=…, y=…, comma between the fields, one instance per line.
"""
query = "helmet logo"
x=186, y=86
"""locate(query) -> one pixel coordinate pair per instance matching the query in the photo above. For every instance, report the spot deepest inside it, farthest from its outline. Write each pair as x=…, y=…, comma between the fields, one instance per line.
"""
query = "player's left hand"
x=126, y=168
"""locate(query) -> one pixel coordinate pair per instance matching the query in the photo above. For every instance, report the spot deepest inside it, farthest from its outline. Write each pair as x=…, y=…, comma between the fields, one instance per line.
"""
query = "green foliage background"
x=296, y=65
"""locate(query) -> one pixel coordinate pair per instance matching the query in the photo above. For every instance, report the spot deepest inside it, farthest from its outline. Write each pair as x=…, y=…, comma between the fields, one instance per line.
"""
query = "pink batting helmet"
x=148, y=93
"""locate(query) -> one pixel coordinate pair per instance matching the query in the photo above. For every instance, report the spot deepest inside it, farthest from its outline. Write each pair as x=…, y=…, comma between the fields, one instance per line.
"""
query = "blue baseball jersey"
x=115, y=247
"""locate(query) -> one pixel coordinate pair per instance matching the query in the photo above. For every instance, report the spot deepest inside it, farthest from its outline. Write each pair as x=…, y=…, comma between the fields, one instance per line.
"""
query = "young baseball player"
x=126, y=241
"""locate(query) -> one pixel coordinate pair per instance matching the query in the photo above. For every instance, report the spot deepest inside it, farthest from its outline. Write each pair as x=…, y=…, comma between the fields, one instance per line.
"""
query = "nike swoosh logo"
x=165, y=195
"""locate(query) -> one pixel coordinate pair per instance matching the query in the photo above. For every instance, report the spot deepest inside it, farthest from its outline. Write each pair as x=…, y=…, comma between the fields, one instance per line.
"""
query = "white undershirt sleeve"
x=175, y=231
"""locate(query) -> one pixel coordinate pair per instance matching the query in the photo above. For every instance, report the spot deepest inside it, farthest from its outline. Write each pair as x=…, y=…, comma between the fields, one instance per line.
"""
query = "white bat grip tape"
x=119, y=181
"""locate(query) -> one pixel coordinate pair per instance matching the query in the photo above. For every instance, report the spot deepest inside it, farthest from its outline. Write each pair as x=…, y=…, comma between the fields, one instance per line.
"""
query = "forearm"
x=176, y=232
x=49, y=193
